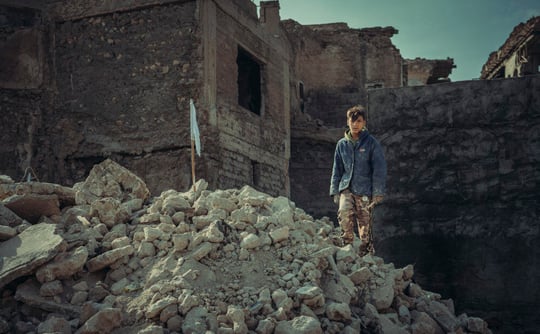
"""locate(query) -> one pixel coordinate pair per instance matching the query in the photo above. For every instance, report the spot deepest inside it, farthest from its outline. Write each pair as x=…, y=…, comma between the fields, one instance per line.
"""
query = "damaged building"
x=81, y=83
x=518, y=56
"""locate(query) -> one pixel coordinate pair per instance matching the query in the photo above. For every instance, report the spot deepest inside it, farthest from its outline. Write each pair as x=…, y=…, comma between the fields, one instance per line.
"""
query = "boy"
x=358, y=178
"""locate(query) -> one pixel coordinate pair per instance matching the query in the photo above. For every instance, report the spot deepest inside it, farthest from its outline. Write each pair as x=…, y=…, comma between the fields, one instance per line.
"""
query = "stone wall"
x=464, y=192
x=22, y=97
x=124, y=81
x=119, y=87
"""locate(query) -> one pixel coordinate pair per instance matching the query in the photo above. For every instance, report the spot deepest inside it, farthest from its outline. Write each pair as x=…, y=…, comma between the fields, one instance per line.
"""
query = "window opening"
x=249, y=81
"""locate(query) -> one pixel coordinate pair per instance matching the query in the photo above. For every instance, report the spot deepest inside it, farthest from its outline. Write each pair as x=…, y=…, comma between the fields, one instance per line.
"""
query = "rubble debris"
x=223, y=261
x=31, y=207
x=25, y=253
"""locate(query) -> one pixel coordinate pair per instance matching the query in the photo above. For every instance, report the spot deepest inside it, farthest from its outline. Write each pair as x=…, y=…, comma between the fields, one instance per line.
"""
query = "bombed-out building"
x=82, y=82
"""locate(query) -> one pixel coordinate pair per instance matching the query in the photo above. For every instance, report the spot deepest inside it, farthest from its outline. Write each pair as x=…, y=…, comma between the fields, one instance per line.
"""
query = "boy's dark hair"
x=357, y=111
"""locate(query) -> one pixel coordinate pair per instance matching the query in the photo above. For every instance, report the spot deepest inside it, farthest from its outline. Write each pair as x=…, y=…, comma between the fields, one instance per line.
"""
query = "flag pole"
x=193, y=164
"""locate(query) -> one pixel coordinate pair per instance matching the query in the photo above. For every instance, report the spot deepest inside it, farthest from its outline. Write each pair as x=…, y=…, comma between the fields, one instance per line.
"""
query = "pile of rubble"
x=104, y=257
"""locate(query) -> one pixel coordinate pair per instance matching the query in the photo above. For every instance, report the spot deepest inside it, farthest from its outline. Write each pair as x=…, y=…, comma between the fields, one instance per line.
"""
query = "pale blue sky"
x=465, y=30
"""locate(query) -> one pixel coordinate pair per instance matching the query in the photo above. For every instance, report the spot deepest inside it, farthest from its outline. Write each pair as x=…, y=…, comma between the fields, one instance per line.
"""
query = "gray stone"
x=250, y=241
x=110, y=211
x=383, y=295
x=424, y=324
x=21, y=255
x=338, y=312
x=446, y=319
x=265, y=326
x=50, y=289
x=307, y=292
x=175, y=203
x=8, y=217
x=279, y=234
x=195, y=321
x=299, y=325
x=104, y=321
x=389, y=327
x=109, y=179
x=181, y=241
x=106, y=259
x=175, y=323
x=360, y=276
x=155, y=309
x=63, y=266
x=32, y=207
x=54, y=325
x=236, y=315
x=341, y=290
x=79, y=298
x=7, y=232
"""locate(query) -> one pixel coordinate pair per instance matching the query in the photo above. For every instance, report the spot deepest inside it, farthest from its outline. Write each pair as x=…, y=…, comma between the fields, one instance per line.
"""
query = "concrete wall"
x=463, y=199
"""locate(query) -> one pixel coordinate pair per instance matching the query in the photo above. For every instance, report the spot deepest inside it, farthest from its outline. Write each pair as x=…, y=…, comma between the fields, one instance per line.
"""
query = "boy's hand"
x=377, y=199
x=336, y=198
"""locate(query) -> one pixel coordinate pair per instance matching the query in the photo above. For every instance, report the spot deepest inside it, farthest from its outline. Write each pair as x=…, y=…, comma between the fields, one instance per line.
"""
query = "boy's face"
x=356, y=126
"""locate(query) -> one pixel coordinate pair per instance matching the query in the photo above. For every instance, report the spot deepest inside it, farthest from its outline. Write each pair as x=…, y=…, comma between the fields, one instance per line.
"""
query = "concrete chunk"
x=32, y=207
x=23, y=254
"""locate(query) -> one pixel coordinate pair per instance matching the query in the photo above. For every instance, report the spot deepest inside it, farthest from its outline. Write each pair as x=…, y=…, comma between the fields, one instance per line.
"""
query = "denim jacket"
x=359, y=166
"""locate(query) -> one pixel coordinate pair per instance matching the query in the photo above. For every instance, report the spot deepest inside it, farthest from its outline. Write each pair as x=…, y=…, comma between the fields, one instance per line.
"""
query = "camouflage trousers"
x=353, y=209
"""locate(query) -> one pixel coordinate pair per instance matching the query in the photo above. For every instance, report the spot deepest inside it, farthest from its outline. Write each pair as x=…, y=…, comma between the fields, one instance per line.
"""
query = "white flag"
x=195, y=136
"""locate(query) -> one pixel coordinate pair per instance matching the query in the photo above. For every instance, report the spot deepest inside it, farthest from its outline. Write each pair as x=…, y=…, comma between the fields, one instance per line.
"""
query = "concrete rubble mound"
x=112, y=259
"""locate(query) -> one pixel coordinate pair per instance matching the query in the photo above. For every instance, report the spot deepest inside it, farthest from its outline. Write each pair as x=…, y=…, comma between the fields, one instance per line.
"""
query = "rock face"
x=224, y=261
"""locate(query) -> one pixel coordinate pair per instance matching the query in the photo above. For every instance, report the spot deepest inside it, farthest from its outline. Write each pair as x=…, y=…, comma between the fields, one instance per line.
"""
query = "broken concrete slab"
x=23, y=254
x=32, y=207
x=66, y=195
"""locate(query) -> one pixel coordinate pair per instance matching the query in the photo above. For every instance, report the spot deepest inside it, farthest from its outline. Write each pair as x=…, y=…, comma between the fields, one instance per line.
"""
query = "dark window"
x=249, y=82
